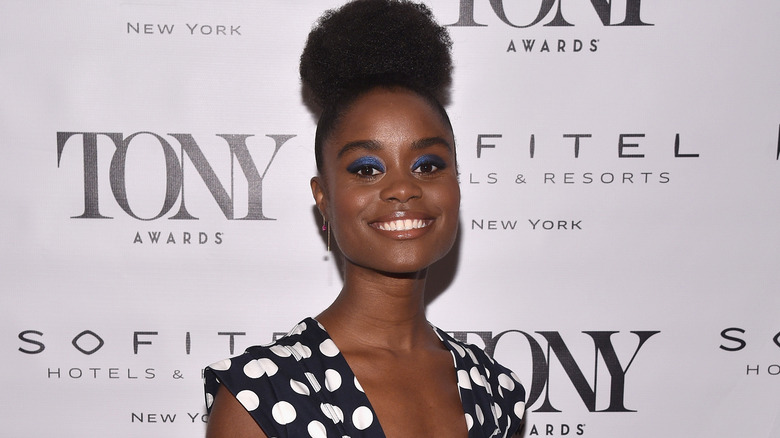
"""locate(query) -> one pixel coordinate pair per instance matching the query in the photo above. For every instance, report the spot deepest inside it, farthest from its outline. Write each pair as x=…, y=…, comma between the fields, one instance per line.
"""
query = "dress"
x=301, y=386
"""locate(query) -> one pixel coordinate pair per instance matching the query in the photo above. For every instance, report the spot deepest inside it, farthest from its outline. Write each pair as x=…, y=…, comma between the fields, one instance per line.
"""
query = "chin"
x=405, y=259
x=404, y=267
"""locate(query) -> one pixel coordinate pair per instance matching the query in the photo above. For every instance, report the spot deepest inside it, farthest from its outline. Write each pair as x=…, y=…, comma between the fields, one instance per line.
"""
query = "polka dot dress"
x=301, y=386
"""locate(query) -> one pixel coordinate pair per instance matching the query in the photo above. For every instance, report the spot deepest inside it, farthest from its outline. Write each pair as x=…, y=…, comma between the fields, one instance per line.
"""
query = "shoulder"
x=476, y=356
x=273, y=382
x=243, y=375
x=261, y=369
x=477, y=368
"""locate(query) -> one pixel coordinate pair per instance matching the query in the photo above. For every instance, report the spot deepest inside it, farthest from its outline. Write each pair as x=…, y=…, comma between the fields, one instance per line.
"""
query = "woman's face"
x=389, y=187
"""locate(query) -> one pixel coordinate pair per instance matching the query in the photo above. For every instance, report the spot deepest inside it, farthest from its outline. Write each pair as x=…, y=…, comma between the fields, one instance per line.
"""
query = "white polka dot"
x=209, y=400
x=298, y=329
x=506, y=382
x=362, y=418
x=476, y=377
x=313, y=381
x=463, y=379
x=299, y=387
x=357, y=385
x=332, y=380
x=459, y=349
x=302, y=350
x=316, y=430
x=280, y=351
x=515, y=378
x=480, y=415
x=469, y=421
x=248, y=399
x=283, y=412
x=255, y=369
x=497, y=410
x=519, y=409
x=339, y=414
x=328, y=348
x=269, y=366
x=222, y=365
x=471, y=355
x=333, y=412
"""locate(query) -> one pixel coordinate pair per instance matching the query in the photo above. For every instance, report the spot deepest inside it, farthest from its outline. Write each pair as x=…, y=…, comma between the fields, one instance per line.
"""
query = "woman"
x=370, y=364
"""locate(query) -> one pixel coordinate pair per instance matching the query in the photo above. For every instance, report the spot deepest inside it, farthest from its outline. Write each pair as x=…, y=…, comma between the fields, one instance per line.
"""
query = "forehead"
x=390, y=114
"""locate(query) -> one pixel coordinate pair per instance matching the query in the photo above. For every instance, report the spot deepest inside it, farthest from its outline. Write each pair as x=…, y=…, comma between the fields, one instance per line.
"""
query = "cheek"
x=448, y=196
x=451, y=205
x=346, y=206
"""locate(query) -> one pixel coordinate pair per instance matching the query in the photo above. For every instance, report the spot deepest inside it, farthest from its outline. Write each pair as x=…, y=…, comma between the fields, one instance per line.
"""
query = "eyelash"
x=366, y=164
x=369, y=167
x=429, y=160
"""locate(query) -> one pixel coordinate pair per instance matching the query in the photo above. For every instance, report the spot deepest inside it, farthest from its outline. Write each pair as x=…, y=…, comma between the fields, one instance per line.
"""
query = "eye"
x=366, y=167
x=428, y=164
x=367, y=171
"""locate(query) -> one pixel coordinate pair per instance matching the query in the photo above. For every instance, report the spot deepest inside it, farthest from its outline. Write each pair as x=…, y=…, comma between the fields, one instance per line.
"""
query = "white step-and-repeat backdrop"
x=619, y=239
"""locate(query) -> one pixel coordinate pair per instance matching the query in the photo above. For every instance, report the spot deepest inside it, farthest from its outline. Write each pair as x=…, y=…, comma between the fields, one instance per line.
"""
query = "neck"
x=379, y=310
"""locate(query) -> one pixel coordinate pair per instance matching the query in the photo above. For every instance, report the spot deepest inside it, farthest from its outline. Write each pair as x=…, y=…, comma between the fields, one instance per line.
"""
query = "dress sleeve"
x=250, y=379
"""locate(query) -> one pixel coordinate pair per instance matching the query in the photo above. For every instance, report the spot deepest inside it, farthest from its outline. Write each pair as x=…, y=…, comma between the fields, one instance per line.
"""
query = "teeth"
x=402, y=225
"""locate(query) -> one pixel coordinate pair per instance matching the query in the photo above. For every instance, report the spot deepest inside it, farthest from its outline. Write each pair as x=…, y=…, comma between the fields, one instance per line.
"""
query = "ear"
x=320, y=196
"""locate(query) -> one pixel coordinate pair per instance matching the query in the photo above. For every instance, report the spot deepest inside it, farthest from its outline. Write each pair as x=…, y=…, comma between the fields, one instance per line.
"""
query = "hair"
x=367, y=44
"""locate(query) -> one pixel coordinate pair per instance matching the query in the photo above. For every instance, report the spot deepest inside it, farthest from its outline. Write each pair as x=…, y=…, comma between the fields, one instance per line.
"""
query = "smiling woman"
x=387, y=166
x=370, y=365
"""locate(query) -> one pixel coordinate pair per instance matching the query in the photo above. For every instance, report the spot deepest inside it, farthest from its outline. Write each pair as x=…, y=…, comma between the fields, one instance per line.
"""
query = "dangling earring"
x=326, y=227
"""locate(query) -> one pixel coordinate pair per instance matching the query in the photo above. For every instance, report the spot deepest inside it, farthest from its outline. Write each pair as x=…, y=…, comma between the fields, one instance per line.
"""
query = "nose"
x=400, y=187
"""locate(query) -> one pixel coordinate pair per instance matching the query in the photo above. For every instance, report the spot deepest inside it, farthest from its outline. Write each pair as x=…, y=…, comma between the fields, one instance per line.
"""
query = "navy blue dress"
x=301, y=386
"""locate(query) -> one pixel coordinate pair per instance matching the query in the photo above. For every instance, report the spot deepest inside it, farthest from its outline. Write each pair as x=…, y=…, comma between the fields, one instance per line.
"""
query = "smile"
x=402, y=224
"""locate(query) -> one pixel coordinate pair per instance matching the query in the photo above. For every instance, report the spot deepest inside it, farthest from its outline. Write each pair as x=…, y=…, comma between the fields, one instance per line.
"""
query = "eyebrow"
x=371, y=145
x=431, y=141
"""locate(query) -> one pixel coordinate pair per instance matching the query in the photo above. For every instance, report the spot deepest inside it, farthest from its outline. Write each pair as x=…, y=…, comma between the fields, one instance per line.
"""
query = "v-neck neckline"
x=457, y=357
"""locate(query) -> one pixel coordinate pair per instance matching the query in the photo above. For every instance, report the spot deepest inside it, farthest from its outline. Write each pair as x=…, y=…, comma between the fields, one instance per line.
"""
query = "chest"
x=413, y=396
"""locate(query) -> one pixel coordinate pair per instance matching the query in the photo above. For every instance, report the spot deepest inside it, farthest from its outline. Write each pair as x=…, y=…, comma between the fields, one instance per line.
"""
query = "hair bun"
x=381, y=41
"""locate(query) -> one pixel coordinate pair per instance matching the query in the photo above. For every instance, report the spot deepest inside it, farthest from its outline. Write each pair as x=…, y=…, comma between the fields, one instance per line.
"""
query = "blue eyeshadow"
x=363, y=162
x=430, y=159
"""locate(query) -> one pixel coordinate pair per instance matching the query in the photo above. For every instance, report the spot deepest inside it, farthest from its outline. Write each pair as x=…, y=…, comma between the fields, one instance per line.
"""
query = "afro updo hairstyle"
x=367, y=44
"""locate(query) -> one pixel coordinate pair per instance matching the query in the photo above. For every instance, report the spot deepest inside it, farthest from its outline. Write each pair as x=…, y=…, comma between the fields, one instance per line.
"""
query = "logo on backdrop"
x=741, y=343
x=538, y=396
x=609, y=395
x=551, y=14
x=627, y=147
x=506, y=161
x=545, y=350
x=778, y=143
x=184, y=165
x=188, y=29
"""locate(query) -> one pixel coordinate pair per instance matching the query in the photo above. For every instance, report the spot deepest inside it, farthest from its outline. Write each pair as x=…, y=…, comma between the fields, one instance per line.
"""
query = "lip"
x=403, y=224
